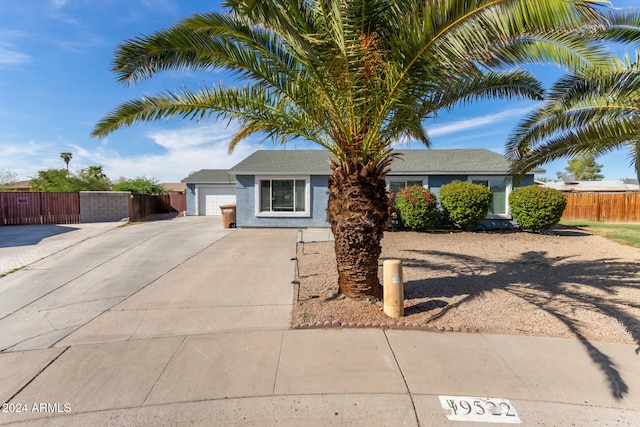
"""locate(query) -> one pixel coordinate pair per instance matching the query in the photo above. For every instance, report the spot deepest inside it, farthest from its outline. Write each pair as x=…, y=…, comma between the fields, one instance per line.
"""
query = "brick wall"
x=104, y=206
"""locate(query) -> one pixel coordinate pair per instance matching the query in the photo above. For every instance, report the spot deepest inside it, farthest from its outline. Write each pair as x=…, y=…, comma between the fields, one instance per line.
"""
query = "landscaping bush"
x=535, y=208
x=394, y=217
x=465, y=204
x=417, y=207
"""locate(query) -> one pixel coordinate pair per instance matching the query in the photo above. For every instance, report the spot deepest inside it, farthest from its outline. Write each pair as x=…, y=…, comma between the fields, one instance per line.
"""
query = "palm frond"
x=355, y=76
x=595, y=113
x=622, y=27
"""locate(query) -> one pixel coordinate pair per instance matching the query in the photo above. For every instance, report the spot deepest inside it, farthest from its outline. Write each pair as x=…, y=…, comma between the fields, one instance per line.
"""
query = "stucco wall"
x=245, y=200
x=104, y=206
x=191, y=199
x=246, y=206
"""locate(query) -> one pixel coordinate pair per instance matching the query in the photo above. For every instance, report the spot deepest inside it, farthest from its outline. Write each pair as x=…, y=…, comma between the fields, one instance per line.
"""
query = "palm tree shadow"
x=539, y=280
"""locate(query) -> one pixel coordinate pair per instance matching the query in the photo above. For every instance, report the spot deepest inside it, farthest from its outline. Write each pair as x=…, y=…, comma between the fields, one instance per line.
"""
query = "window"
x=282, y=196
x=498, y=187
x=398, y=185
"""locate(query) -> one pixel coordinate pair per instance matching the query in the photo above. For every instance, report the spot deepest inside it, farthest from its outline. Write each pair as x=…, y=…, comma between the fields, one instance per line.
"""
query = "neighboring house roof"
x=591, y=186
x=431, y=162
x=210, y=176
x=174, y=187
x=18, y=186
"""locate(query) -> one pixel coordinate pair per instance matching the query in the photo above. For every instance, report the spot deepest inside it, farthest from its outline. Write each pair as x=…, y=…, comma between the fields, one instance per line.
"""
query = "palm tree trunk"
x=358, y=213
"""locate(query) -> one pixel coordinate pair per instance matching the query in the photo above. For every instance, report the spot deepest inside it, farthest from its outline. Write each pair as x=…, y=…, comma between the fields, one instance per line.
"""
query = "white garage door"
x=211, y=197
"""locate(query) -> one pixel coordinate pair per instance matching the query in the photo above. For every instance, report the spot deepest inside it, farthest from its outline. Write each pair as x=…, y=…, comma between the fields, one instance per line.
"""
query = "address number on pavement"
x=479, y=409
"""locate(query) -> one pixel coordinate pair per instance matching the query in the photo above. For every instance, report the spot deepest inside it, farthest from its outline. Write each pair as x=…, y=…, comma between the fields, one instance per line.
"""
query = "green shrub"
x=465, y=204
x=417, y=207
x=141, y=185
x=536, y=207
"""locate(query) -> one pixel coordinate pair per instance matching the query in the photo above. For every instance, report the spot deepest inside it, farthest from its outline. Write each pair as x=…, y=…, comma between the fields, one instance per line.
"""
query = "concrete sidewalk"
x=208, y=343
x=21, y=245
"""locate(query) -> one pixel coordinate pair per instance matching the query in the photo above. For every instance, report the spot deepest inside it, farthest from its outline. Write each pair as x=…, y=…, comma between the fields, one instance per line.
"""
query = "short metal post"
x=393, y=288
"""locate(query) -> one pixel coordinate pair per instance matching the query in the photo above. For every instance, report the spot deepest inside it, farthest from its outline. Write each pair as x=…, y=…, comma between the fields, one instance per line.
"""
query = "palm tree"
x=67, y=158
x=94, y=178
x=355, y=77
x=583, y=116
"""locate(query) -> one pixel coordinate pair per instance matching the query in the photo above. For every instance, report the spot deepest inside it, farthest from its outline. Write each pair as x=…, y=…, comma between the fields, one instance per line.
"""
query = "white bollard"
x=393, y=288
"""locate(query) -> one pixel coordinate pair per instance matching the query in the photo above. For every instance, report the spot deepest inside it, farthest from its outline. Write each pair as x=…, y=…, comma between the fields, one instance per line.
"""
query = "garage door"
x=211, y=197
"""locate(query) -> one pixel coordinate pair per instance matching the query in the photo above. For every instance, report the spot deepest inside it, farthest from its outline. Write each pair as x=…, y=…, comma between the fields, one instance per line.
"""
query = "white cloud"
x=87, y=43
x=26, y=159
x=187, y=150
x=9, y=57
x=183, y=151
x=57, y=4
x=165, y=5
x=178, y=139
x=476, y=122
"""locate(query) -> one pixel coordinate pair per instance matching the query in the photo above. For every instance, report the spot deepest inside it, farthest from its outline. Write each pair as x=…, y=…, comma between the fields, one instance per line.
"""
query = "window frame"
x=508, y=188
x=405, y=178
x=282, y=214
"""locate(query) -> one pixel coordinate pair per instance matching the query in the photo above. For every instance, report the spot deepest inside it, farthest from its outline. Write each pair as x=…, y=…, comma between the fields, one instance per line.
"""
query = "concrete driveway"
x=47, y=300
x=25, y=244
x=204, y=339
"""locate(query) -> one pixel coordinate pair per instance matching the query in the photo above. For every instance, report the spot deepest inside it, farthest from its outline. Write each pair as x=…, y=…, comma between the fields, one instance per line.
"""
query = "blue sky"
x=56, y=83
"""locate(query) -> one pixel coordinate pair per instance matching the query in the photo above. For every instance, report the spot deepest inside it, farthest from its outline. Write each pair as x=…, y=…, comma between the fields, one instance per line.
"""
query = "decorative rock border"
x=384, y=326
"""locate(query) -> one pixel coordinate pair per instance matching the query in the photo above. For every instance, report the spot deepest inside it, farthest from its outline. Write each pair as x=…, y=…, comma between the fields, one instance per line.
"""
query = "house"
x=572, y=186
x=174, y=187
x=289, y=188
x=207, y=190
x=17, y=186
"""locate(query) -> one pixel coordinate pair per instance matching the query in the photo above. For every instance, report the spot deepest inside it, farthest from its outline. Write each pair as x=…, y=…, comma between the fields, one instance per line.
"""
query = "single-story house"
x=289, y=188
x=207, y=190
x=572, y=186
x=174, y=187
x=17, y=186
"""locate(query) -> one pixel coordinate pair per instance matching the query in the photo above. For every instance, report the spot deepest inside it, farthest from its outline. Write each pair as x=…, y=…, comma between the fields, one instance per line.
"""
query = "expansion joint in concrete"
x=406, y=385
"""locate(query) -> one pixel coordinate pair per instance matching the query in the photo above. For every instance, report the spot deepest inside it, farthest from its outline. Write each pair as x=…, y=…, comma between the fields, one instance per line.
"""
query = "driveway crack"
x=144, y=313
x=36, y=375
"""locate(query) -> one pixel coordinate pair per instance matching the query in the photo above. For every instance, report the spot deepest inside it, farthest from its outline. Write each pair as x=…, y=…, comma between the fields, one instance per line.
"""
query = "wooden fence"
x=603, y=207
x=27, y=208
x=177, y=202
x=143, y=205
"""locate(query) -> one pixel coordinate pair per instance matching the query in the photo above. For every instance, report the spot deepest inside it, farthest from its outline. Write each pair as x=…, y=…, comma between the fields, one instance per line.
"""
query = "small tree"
x=535, y=208
x=465, y=204
x=56, y=180
x=584, y=168
x=7, y=178
x=59, y=180
x=417, y=207
x=141, y=185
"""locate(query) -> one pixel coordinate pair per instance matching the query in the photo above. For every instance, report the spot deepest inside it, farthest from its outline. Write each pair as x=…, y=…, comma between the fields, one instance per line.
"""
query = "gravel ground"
x=567, y=284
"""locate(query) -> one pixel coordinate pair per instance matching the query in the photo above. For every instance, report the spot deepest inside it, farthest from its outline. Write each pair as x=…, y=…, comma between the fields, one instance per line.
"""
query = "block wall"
x=104, y=206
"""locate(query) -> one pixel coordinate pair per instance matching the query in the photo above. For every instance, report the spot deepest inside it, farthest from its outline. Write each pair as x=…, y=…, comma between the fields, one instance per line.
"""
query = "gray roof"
x=427, y=162
x=210, y=176
x=290, y=162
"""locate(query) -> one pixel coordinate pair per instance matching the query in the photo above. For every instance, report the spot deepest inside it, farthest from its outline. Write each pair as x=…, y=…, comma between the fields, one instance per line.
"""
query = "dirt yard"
x=566, y=284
